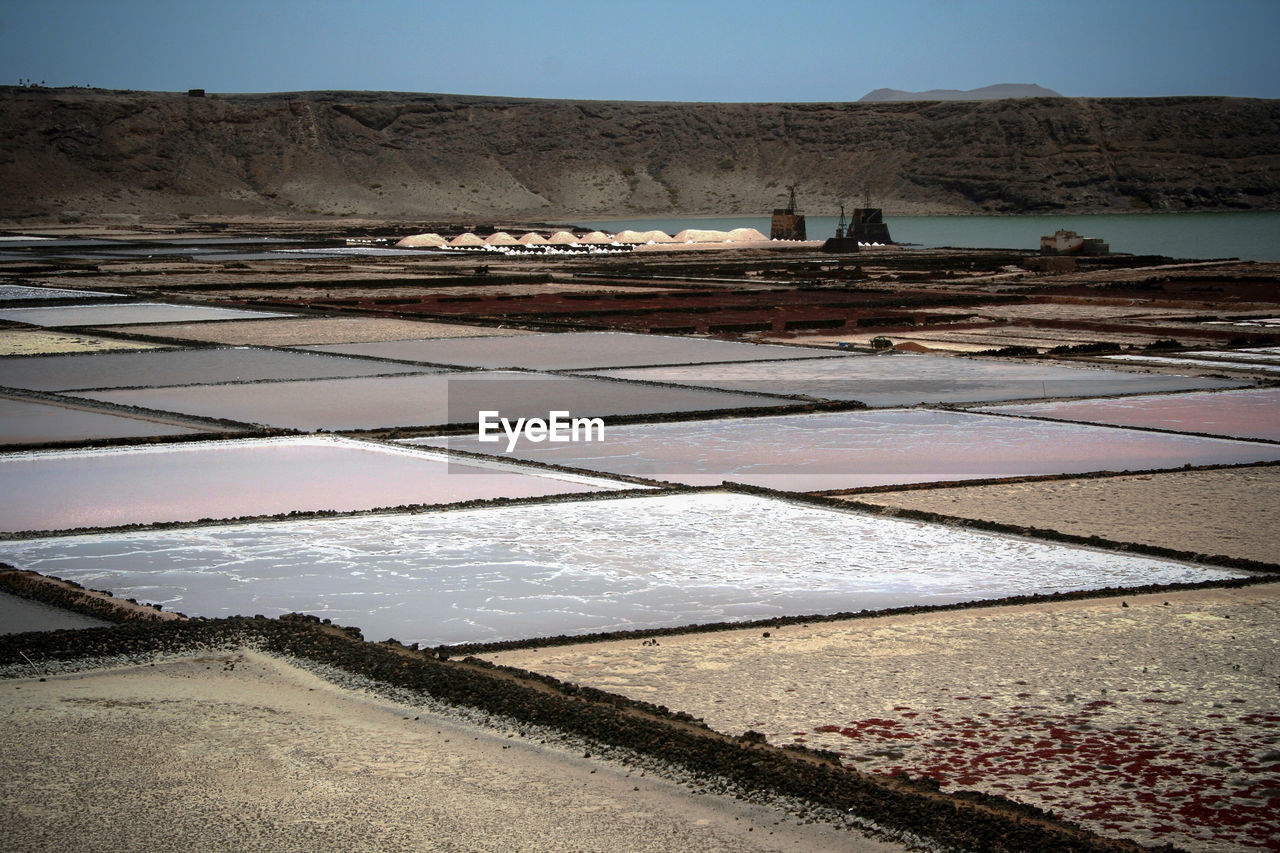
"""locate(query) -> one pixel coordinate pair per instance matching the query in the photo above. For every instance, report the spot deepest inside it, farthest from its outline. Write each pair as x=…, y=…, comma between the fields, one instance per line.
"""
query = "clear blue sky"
x=749, y=50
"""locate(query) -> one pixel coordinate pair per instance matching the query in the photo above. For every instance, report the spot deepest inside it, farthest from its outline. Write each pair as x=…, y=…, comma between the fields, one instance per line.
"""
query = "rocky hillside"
x=997, y=92
x=91, y=154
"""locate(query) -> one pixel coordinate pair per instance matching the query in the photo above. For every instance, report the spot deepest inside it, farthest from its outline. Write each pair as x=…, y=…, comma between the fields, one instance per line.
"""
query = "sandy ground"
x=1233, y=512
x=1154, y=722
x=993, y=337
x=244, y=752
x=308, y=330
x=35, y=342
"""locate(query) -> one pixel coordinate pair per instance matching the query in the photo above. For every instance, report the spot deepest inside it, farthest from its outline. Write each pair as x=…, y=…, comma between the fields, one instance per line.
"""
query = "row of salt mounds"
x=421, y=241
x=641, y=237
x=737, y=235
x=564, y=238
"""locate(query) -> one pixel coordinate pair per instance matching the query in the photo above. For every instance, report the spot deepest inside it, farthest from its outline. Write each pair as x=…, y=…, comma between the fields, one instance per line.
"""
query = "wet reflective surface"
x=905, y=379
x=134, y=312
x=542, y=569
x=182, y=367
x=571, y=351
x=853, y=449
x=18, y=615
x=427, y=400
x=188, y=482
x=37, y=422
x=1253, y=413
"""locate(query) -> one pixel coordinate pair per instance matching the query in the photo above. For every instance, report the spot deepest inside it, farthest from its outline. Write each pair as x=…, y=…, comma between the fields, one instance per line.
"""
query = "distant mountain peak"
x=986, y=93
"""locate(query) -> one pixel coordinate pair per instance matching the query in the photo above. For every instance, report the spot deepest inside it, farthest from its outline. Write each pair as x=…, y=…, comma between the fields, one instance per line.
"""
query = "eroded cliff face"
x=91, y=153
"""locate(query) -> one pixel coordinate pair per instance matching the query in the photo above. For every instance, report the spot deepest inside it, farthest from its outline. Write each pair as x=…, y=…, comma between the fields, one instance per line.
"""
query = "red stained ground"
x=1208, y=787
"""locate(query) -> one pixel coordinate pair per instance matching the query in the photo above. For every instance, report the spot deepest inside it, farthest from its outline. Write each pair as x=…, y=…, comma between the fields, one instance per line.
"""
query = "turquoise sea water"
x=1250, y=235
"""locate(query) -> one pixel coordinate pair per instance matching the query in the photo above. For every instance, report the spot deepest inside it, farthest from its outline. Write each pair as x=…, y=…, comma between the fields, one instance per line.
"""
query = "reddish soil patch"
x=1206, y=778
x=712, y=310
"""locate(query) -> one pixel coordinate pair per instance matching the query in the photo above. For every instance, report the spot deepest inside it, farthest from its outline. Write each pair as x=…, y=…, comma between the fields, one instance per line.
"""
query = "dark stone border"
x=626, y=489
x=71, y=596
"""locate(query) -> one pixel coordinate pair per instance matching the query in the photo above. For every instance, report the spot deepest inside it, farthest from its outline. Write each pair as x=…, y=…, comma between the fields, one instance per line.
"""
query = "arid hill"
x=997, y=92
x=91, y=154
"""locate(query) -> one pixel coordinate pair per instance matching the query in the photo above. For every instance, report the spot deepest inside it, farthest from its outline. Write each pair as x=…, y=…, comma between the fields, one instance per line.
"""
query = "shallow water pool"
x=844, y=450
x=532, y=570
x=186, y=482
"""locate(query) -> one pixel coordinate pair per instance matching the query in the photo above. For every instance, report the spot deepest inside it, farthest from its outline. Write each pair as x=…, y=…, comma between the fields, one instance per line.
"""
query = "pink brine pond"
x=216, y=480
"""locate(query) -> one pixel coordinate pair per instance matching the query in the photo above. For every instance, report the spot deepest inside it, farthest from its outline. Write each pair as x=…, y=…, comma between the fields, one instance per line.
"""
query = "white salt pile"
x=701, y=235
x=418, y=241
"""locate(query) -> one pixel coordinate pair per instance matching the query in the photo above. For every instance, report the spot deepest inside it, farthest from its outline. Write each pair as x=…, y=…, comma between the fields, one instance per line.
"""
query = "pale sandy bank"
x=1233, y=512
x=301, y=331
x=243, y=752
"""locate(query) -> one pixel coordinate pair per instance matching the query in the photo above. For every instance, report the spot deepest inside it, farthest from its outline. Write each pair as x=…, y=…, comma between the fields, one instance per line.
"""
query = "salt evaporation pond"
x=17, y=292
x=37, y=422
x=156, y=368
x=1263, y=355
x=428, y=400
x=843, y=450
x=120, y=313
x=574, y=350
x=570, y=568
x=59, y=490
x=312, y=330
x=18, y=615
x=906, y=379
x=1251, y=413
x=35, y=341
x=1222, y=361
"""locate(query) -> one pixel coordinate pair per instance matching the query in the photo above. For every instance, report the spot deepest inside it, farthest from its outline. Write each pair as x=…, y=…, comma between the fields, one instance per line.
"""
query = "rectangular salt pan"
x=15, y=292
x=37, y=422
x=904, y=379
x=427, y=400
x=1222, y=361
x=117, y=314
x=60, y=490
x=1252, y=413
x=844, y=450
x=570, y=351
x=571, y=568
x=18, y=615
x=173, y=367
